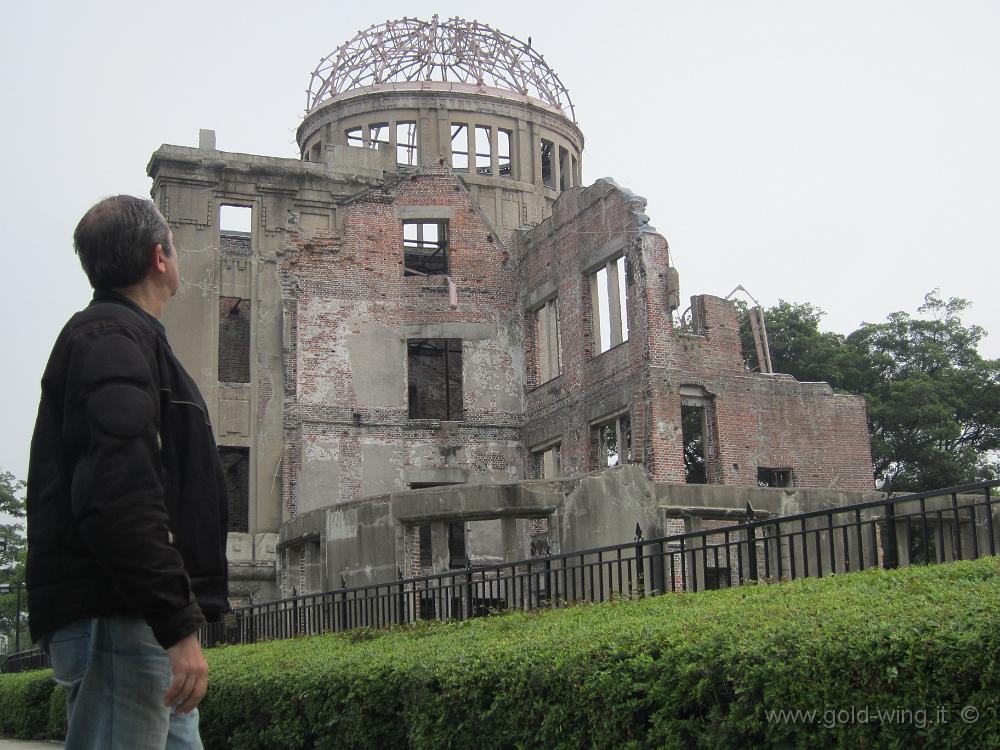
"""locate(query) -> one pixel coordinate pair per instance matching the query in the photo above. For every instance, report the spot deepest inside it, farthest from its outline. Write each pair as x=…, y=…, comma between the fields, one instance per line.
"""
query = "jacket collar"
x=109, y=295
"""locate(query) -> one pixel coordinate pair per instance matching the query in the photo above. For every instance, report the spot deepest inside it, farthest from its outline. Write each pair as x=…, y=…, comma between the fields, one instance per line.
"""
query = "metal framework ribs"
x=454, y=50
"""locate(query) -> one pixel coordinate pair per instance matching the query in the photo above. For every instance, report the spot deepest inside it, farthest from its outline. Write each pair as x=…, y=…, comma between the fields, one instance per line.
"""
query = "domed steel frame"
x=456, y=50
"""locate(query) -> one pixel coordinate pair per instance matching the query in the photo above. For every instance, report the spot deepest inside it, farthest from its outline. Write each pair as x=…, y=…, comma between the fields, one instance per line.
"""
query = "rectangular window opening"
x=614, y=442
x=484, y=163
x=459, y=147
x=716, y=578
x=434, y=379
x=504, y=139
x=425, y=248
x=234, y=340
x=378, y=134
x=235, y=220
x=693, y=437
x=355, y=137
x=548, y=346
x=546, y=464
x=609, y=304
x=767, y=477
x=236, y=470
x=548, y=174
x=316, y=151
x=565, y=173
x=406, y=144
x=457, y=556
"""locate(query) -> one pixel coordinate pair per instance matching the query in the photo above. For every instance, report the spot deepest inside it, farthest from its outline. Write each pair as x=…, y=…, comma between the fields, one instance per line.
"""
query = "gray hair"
x=114, y=239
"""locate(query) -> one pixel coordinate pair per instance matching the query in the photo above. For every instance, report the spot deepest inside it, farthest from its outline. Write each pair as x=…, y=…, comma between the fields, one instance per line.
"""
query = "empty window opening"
x=716, y=578
x=484, y=162
x=548, y=174
x=614, y=442
x=548, y=354
x=503, y=152
x=378, y=134
x=457, y=556
x=434, y=379
x=406, y=144
x=425, y=248
x=565, y=173
x=316, y=151
x=234, y=340
x=236, y=470
x=693, y=430
x=459, y=146
x=235, y=219
x=546, y=464
x=355, y=137
x=774, y=477
x=608, y=297
x=577, y=180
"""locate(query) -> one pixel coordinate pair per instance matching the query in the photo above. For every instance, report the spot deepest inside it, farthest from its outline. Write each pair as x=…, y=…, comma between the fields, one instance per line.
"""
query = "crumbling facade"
x=430, y=297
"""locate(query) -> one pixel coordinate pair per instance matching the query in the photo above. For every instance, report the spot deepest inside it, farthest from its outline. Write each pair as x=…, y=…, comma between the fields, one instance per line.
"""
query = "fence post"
x=468, y=589
x=751, y=516
x=890, y=560
x=550, y=600
x=640, y=569
x=401, y=617
x=343, y=603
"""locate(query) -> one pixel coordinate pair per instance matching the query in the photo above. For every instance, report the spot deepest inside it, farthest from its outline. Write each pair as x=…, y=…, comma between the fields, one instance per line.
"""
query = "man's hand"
x=190, y=672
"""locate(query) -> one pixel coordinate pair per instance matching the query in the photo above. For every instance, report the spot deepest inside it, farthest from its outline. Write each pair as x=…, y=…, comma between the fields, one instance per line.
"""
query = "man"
x=126, y=500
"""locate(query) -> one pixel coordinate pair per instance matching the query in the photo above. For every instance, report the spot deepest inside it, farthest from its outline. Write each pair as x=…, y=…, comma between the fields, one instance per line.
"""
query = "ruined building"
x=421, y=340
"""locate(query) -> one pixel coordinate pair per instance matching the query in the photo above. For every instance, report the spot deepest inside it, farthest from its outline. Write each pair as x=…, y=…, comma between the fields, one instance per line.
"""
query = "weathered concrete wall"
x=370, y=541
x=510, y=196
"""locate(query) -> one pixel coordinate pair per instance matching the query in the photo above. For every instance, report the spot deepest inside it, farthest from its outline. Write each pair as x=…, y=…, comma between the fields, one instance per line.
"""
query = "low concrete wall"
x=364, y=542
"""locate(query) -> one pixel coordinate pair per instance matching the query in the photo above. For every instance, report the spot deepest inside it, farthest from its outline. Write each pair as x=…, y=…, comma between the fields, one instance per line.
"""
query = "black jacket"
x=126, y=495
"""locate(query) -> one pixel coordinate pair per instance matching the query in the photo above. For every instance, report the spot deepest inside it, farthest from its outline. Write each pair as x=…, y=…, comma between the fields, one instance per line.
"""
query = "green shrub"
x=24, y=704
x=707, y=670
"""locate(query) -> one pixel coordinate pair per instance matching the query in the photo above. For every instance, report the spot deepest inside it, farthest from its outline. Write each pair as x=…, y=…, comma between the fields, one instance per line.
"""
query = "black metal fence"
x=915, y=529
x=928, y=527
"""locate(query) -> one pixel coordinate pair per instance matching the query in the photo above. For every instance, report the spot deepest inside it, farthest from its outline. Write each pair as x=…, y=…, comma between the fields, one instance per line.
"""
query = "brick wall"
x=753, y=420
x=236, y=469
x=234, y=340
x=346, y=293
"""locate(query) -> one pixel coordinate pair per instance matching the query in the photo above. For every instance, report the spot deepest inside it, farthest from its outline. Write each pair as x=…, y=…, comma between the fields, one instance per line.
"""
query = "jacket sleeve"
x=117, y=487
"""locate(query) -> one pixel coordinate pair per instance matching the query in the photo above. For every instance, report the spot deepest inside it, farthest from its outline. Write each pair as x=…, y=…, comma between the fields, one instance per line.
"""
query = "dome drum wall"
x=493, y=138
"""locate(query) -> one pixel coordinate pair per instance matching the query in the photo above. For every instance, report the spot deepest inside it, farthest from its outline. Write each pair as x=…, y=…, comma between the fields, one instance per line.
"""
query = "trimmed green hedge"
x=884, y=659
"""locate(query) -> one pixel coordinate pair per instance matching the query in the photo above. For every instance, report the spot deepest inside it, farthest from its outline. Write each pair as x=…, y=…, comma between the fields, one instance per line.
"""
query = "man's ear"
x=159, y=258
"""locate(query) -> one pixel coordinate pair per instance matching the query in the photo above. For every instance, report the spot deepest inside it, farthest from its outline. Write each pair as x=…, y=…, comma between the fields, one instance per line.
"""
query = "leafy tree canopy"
x=933, y=401
x=12, y=556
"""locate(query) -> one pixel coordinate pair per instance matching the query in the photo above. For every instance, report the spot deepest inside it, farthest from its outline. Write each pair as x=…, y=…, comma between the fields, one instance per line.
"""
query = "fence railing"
x=915, y=529
x=928, y=527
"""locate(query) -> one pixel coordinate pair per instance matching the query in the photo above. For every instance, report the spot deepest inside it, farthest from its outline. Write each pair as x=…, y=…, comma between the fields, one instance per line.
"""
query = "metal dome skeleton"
x=453, y=51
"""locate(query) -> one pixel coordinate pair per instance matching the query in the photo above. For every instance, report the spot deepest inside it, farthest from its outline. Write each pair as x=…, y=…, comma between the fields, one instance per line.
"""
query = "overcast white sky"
x=843, y=153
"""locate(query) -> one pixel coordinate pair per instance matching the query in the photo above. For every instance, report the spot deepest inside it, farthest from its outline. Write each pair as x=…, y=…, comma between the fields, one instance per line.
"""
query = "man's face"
x=173, y=269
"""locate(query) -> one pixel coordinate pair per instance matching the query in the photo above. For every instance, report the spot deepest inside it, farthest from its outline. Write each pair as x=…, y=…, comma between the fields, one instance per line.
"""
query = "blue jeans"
x=117, y=674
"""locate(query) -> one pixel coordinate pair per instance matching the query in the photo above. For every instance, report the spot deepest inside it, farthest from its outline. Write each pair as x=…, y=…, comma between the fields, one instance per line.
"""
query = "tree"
x=796, y=343
x=12, y=558
x=933, y=401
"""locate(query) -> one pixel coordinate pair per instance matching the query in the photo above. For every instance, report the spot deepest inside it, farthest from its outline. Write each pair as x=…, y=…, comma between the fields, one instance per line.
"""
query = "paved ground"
x=29, y=745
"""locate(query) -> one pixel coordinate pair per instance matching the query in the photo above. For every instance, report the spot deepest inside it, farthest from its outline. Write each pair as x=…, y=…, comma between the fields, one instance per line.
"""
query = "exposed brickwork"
x=350, y=283
x=236, y=469
x=234, y=340
x=752, y=420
